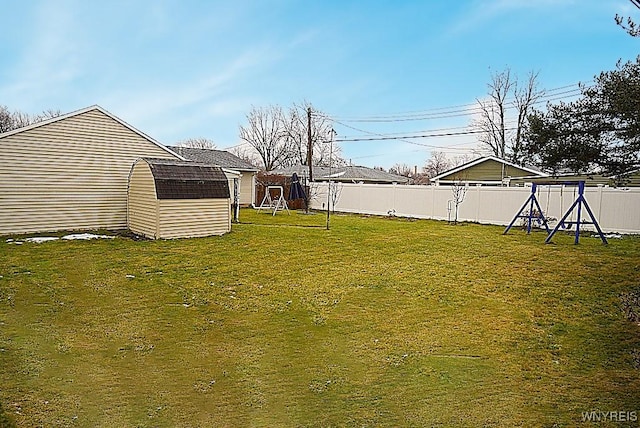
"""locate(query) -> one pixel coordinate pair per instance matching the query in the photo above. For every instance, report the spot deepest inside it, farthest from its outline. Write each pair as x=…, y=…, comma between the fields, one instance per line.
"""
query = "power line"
x=380, y=137
x=244, y=143
x=447, y=134
x=457, y=111
x=460, y=113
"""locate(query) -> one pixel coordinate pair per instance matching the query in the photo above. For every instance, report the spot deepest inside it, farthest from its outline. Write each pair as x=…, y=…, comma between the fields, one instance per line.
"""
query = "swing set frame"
x=578, y=205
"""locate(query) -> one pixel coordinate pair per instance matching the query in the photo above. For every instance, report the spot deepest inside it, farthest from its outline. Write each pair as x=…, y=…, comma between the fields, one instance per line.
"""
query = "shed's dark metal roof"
x=220, y=158
x=188, y=180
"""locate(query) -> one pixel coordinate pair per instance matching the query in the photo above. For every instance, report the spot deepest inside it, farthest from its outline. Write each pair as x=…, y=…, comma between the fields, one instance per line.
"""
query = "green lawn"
x=281, y=323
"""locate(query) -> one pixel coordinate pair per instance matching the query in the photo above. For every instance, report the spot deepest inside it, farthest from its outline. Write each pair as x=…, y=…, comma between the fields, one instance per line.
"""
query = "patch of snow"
x=41, y=239
x=608, y=236
x=86, y=236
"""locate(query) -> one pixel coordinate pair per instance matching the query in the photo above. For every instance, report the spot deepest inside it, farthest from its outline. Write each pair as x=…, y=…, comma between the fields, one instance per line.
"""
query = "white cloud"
x=155, y=109
x=51, y=58
x=481, y=11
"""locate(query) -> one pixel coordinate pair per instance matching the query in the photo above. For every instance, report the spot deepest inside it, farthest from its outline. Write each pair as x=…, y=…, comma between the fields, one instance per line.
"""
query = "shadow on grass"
x=5, y=421
x=304, y=226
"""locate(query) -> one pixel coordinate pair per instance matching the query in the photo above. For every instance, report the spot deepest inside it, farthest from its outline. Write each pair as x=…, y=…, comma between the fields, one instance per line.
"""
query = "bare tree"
x=524, y=97
x=281, y=139
x=492, y=121
x=264, y=132
x=504, y=141
x=402, y=169
x=197, y=143
x=629, y=26
x=46, y=114
x=6, y=119
x=245, y=155
x=335, y=189
x=323, y=151
x=459, y=191
x=462, y=159
x=295, y=126
x=436, y=164
x=13, y=120
x=21, y=119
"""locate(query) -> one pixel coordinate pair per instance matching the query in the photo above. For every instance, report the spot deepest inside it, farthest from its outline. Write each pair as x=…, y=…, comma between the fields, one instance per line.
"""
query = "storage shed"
x=177, y=199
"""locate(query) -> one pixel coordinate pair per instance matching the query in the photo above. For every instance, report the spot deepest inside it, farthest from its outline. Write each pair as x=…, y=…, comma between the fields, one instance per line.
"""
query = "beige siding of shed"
x=69, y=174
x=142, y=210
x=190, y=218
x=247, y=187
x=489, y=170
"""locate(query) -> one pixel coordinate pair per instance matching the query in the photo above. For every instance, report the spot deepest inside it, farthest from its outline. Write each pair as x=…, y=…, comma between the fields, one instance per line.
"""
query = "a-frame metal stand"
x=530, y=215
x=578, y=203
x=275, y=204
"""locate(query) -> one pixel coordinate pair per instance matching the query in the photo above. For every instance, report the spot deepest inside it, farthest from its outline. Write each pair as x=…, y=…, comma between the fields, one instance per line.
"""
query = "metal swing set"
x=528, y=212
x=275, y=202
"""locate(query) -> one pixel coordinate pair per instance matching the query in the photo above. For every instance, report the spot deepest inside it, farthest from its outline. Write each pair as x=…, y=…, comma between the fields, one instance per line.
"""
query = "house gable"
x=485, y=170
x=70, y=172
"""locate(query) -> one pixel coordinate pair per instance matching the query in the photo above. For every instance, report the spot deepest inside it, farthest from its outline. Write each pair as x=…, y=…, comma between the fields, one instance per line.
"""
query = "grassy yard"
x=281, y=323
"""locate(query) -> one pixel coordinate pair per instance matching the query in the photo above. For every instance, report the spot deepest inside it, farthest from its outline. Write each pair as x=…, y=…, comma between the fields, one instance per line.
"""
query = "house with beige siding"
x=70, y=172
x=628, y=179
x=488, y=170
x=178, y=199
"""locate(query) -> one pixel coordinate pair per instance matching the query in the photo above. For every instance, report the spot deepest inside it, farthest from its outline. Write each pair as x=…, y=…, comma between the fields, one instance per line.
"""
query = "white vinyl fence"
x=616, y=210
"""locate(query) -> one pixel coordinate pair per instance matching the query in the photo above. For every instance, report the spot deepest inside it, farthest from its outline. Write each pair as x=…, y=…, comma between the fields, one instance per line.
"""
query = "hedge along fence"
x=263, y=180
x=617, y=210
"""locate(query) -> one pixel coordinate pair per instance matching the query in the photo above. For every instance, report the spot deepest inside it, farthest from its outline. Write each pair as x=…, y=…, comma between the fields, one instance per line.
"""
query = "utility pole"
x=309, y=146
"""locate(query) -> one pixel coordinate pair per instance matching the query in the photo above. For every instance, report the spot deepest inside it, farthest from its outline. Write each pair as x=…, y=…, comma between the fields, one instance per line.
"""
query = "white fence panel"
x=617, y=210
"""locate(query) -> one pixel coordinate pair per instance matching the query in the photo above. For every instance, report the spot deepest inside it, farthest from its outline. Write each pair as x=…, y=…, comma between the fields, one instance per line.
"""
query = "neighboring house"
x=629, y=179
x=176, y=199
x=70, y=172
x=488, y=170
x=344, y=174
x=225, y=160
x=589, y=179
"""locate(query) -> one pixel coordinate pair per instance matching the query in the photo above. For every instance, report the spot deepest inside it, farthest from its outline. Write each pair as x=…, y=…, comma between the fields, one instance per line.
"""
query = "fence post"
x=478, y=207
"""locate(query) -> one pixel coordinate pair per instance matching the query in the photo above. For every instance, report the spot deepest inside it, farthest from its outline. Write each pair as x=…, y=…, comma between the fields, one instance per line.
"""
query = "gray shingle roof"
x=219, y=158
x=344, y=173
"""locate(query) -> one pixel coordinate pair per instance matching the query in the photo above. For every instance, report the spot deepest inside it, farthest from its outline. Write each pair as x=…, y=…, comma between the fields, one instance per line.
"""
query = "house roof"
x=220, y=158
x=564, y=178
x=343, y=173
x=485, y=159
x=176, y=179
x=85, y=110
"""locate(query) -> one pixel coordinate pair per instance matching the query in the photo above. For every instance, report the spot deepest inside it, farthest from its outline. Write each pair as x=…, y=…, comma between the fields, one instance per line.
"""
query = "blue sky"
x=180, y=69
